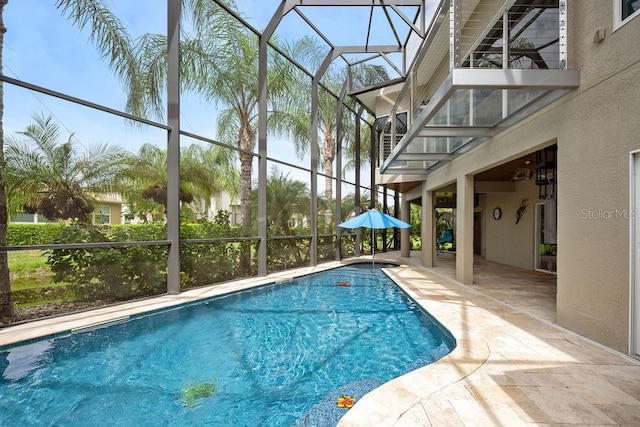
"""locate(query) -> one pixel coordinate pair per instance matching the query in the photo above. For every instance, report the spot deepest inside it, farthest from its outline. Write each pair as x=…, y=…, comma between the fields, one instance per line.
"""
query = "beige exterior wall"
x=593, y=257
x=505, y=241
x=114, y=202
x=595, y=127
x=116, y=213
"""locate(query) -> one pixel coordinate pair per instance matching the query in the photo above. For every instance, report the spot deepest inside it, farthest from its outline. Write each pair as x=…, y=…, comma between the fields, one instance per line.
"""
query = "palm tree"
x=203, y=172
x=55, y=179
x=349, y=204
x=311, y=52
x=349, y=152
x=238, y=121
x=109, y=35
x=114, y=43
x=219, y=61
x=6, y=298
x=218, y=164
x=286, y=199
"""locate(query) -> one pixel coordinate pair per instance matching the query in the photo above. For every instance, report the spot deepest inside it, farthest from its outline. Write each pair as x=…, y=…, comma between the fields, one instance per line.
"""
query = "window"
x=102, y=215
x=236, y=215
x=625, y=11
x=22, y=217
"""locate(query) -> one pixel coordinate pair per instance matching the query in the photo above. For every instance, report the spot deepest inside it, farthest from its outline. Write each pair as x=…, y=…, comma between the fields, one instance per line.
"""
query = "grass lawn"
x=29, y=270
x=30, y=273
x=27, y=263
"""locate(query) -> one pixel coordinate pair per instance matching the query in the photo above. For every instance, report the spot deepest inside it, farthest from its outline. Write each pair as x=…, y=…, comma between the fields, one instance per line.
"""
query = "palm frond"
x=108, y=33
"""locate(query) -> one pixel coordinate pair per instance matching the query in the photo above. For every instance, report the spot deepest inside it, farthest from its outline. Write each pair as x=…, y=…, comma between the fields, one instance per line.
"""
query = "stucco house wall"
x=507, y=242
x=593, y=156
x=595, y=127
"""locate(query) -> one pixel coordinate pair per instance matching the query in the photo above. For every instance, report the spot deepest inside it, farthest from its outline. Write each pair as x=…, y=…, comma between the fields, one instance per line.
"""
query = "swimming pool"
x=276, y=355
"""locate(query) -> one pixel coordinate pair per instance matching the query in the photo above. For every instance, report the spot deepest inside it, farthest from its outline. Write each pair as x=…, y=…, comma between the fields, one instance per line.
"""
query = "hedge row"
x=32, y=234
x=125, y=272
x=47, y=234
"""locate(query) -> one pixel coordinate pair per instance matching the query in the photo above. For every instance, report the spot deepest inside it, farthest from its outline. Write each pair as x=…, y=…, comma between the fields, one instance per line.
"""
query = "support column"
x=396, y=209
x=262, y=159
x=374, y=187
x=375, y=163
x=315, y=153
x=455, y=33
x=356, y=210
x=405, y=233
x=337, y=218
x=385, y=209
x=313, y=185
x=173, y=146
x=464, y=230
x=428, y=232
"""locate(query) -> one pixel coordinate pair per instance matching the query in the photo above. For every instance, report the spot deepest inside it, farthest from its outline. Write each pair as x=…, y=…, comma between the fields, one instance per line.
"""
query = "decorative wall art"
x=522, y=209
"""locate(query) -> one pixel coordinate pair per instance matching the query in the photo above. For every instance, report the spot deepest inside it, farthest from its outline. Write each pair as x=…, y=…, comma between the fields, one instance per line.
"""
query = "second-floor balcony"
x=483, y=67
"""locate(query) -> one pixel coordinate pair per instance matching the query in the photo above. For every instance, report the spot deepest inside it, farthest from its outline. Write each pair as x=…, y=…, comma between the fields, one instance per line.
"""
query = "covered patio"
x=530, y=291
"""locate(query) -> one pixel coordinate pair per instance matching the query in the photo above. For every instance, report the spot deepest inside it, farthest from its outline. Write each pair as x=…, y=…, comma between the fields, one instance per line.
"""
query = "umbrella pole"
x=373, y=247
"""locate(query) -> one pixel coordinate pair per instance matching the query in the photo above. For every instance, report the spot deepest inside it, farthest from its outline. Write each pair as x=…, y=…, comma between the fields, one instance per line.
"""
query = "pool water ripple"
x=277, y=355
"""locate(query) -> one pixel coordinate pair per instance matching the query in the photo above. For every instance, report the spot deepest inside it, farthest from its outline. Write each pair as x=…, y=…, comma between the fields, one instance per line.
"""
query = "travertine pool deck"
x=512, y=366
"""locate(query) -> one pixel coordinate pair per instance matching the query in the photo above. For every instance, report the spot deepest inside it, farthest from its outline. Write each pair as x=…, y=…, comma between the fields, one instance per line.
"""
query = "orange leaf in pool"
x=345, y=401
x=343, y=284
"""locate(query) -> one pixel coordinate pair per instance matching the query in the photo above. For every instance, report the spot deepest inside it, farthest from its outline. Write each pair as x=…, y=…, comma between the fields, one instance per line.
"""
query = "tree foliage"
x=203, y=173
x=311, y=52
x=287, y=199
x=55, y=178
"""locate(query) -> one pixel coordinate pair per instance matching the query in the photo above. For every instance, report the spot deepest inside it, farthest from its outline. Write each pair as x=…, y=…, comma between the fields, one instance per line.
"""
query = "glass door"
x=545, y=254
x=634, y=338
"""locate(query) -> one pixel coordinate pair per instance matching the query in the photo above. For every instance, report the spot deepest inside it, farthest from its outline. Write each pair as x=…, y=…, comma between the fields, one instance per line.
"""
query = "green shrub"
x=287, y=253
x=124, y=272
x=204, y=264
x=136, y=232
x=111, y=273
x=32, y=234
x=326, y=248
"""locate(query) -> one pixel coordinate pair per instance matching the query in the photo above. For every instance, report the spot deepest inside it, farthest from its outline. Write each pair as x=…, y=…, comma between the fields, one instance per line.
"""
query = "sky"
x=44, y=48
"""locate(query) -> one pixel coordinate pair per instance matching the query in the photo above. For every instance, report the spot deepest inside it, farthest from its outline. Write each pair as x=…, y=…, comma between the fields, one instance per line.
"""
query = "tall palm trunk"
x=246, y=139
x=246, y=161
x=6, y=298
x=328, y=155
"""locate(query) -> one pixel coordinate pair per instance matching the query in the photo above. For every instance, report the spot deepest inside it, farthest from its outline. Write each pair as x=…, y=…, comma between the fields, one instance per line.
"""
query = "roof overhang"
x=369, y=96
x=470, y=106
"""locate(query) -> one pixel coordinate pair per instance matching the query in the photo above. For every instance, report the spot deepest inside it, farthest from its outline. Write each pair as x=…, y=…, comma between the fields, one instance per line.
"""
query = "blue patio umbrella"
x=374, y=219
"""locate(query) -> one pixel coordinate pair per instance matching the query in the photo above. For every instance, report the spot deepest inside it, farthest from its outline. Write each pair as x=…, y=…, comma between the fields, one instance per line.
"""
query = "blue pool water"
x=279, y=355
